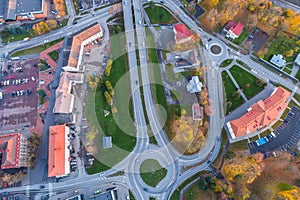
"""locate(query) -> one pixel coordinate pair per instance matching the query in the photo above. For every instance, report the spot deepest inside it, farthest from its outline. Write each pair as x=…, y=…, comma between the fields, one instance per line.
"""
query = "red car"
x=5, y=185
x=11, y=77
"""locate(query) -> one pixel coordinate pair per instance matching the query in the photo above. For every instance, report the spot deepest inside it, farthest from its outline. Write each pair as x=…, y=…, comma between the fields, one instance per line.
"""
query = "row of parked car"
x=20, y=93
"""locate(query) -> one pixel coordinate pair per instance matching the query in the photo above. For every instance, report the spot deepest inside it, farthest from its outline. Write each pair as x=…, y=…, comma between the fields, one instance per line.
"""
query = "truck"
x=26, y=39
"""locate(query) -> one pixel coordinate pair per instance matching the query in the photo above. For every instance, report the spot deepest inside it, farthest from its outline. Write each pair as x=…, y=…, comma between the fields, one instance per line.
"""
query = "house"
x=278, y=60
x=64, y=101
x=194, y=85
x=297, y=60
x=79, y=41
x=182, y=33
x=187, y=59
x=13, y=149
x=233, y=30
x=12, y=10
x=260, y=115
x=197, y=112
x=59, y=152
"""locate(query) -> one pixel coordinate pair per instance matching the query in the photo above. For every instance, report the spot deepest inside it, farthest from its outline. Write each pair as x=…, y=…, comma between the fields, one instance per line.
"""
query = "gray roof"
x=2, y=6
x=107, y=142
x=278, y=60
x=9, y=9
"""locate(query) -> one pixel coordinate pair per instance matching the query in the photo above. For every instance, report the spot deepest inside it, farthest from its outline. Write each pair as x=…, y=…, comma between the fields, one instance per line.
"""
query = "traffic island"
x=215, y=49
x=152, y=172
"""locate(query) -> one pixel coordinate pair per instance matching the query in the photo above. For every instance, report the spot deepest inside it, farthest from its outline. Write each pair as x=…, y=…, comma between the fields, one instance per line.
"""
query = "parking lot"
x=18, y=104
x=285, y=137
x=256, y=40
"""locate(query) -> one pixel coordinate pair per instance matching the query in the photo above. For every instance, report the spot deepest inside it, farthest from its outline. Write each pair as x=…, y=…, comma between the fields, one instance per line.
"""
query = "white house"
x=278, y=60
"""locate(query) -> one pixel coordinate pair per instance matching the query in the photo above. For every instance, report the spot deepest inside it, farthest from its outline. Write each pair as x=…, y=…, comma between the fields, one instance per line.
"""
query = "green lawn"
x=242, y=37
x=229, y=89
x=284, y=114
x=298, y=75
x=281, y=43
x=287, y=70
x=159, y=15
x=176, y=194
x=246, y=81
x=297, y=97
x=290, y=66
x=6, y=35
x=152, y=172
x=292, y=103
x=276, y=124
x=195, y=193
x=36, y=49
x=172, y=76
x=54, y=55
x=225, y=63
x=116, y=125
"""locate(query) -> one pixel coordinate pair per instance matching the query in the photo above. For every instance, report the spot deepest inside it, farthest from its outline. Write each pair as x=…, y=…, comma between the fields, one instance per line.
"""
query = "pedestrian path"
x=237, y=85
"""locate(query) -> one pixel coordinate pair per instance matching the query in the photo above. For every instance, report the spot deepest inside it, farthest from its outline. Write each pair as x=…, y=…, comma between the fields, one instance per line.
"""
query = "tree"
x=289, y=53
x=289, y=13
x=251, y=8
x=204, y=97
x=108, y=67
x=108, y=98
x=109, y=88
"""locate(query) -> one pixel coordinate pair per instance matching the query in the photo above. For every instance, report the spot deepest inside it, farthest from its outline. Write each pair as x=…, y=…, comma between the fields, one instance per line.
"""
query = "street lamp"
x=9, y=39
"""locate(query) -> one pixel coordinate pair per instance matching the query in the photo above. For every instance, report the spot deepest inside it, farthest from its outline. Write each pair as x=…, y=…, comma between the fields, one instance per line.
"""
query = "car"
x=13, y=82
x=97, y=191
x=127, y=197
x=18, y=93
x=136, y=82
x=11, y=77
x=74, y=23
x=291, y=114
x=32, y=78
x=46, y=41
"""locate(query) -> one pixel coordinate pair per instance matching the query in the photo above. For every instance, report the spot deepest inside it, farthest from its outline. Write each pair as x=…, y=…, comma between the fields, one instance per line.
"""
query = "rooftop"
x=278, y=60
x=297, y=60
x=181, y=32
x=194, y=85
x=10, y=150
x=260, y=114
x=58, y=151
x=9, y=9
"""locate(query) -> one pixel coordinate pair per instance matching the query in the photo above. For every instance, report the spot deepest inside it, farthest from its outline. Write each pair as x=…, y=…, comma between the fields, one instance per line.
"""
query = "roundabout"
x=215, y=49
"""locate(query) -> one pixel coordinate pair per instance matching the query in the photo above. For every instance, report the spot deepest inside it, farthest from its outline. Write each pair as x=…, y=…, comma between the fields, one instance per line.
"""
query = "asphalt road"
x=174, y=161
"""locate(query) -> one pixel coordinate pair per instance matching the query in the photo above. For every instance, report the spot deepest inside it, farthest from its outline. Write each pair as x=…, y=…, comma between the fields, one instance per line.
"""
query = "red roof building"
x=233, y=30
x=59, y=153
x=182, y=33
x=13, y=151
x=79, y=42
x=260, y=114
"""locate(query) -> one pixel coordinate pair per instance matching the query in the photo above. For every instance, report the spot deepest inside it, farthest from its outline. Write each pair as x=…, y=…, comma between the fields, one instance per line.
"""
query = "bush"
x=285, y=186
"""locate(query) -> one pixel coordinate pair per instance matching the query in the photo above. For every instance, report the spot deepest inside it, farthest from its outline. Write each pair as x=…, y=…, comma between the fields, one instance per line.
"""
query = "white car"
x=46, y=41
x=32, y=78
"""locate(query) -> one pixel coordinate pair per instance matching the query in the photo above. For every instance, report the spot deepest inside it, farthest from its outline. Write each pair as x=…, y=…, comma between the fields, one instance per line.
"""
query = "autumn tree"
x=109, y=88
x=108, y=98
x=93, y=82
x=204, y=97
x=108, y=67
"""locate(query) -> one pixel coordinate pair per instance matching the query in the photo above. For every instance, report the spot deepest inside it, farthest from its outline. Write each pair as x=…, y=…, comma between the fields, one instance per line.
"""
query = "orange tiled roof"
x=76, y=44
x=261, y=114
x=10, y=148
x=57, y=155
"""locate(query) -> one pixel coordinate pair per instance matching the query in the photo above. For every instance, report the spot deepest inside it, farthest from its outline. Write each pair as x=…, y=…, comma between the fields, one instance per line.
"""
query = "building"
x=80, y=40
x=182, y=33
x=187, y=59
x=13, y=151
x=197, y=112
x=12, y=10
x=59, y=152
x=194, y=85
x=64, y=101
x=278, y=60
x=260, y=115
x=297, y=60
x=233, y=30
x=107, y=142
